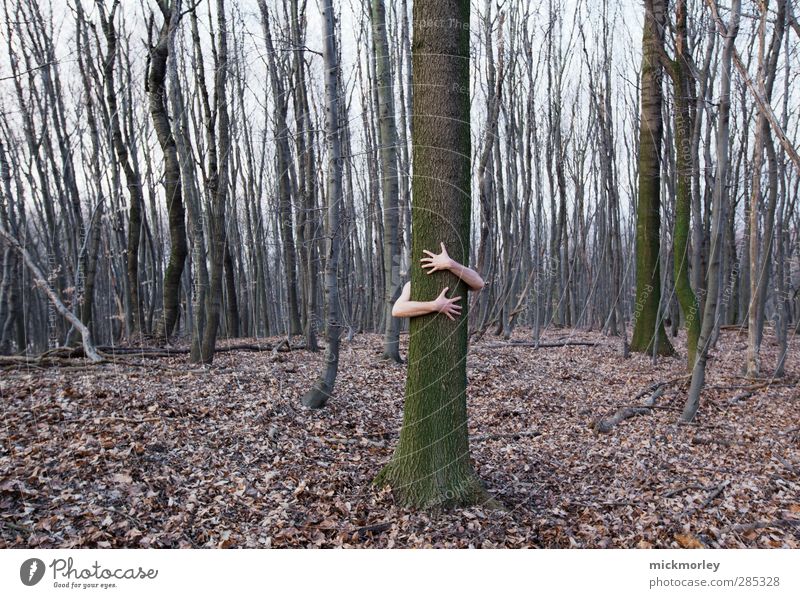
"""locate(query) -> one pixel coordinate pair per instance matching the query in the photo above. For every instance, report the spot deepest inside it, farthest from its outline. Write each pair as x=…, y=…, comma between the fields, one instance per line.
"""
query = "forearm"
x=410, y=309
x=468, y=275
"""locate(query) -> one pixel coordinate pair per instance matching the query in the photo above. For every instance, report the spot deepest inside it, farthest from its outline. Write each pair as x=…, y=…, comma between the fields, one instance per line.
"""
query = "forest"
x=213, y=214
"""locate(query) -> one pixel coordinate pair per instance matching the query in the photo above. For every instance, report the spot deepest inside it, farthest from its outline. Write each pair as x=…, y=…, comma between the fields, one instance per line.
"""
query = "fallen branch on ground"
x=522, y=434
x=39, y=280
x=714, y=494
x=605, y=425
x=546, y=345
x=283, y=346
x=748, y=527
x=61, y=356
x=680, y=489
x=375, y=528
x=710, y=440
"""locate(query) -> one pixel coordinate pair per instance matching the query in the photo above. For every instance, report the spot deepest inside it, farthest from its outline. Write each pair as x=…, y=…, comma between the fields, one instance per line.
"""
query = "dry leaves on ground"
x=165, y=454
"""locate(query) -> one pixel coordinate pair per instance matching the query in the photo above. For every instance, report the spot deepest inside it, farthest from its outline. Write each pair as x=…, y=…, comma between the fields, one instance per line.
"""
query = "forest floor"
x=164, y=454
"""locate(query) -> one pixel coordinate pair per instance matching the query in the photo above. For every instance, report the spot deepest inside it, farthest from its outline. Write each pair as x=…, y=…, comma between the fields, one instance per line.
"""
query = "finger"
x=443, y=249
x=449, y=316
x=454, y=299
x=444, y=290
x=426, y=259
x=430, y=253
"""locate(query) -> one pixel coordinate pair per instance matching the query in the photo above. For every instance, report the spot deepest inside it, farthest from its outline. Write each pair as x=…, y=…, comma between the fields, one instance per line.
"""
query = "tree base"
x=316, y=398
x=392, y=357
x=665, y=348
x=428, y=492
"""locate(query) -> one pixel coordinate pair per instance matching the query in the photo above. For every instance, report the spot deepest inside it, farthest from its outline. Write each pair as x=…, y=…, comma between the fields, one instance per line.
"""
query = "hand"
x=436, y=262
x=448, y=307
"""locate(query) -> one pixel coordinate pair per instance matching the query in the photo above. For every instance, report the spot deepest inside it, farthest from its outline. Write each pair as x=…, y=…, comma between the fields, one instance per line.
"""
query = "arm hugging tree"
x=431, y=464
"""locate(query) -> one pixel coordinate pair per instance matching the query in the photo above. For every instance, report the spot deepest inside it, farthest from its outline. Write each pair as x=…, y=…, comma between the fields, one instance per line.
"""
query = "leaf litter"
x=161, y=453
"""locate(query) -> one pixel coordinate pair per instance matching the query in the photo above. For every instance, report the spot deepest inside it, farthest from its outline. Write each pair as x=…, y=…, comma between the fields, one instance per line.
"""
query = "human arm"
x=405, y=308
x=443, y=261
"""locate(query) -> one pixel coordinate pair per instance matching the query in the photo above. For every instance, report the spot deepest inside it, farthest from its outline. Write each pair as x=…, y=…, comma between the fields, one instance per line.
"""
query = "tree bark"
x=283, y=163
x=218, y=188
x=318, y=396
x=156, y=88
x=431, y=465
x=760, y=266
x=728, y=33
x=648, y=324
x=135, y=317
x=387, y=132
x=683, y=95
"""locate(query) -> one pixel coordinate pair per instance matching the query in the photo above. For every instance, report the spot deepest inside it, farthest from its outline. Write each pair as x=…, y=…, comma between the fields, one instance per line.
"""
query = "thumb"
x=443, y=249
x=444, y=290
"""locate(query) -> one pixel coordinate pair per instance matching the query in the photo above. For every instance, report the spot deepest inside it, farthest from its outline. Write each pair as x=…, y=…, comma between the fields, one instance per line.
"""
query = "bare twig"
x=715, y=493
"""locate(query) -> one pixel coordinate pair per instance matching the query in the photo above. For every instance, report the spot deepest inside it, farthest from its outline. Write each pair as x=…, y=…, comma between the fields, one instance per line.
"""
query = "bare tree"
x=318, y=396
x=156, y=87
x=387, y=132
x=728, y=32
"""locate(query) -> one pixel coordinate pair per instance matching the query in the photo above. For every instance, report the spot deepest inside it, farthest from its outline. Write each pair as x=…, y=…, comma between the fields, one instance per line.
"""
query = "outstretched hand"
x=447, y=306
x=435, y=261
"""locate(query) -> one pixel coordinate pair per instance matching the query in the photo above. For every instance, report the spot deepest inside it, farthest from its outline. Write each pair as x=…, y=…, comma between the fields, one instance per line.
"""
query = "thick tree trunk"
x=431, y=464
x=683, y=94
x=648, y=325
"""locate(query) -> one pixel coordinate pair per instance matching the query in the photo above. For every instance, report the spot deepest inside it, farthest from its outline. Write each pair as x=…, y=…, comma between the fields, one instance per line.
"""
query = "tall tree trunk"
x=193, y=197
x=157, y=92
x=387, y=132
x=683, y=95
x=232, y=309
x=318, y=396
x=728, y=33
x=648, y=325
x=307, y=179
x=283, y=162
x=135, y=316
x=218, y=188
x=431, y=464
x=760, y=266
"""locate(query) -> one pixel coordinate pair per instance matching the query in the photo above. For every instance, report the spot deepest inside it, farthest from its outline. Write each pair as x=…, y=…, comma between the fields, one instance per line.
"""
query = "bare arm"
x=443, y=261
x=405, y=308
